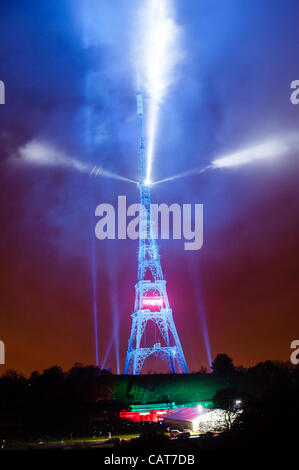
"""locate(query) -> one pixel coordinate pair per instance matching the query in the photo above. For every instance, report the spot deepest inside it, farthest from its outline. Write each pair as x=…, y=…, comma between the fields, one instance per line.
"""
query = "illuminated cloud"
x=267, y=150
x=264, y=151
x=37, y=153
x=43, y=154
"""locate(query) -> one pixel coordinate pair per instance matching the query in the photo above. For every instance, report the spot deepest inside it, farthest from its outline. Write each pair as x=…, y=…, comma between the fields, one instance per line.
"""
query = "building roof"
x=186, y=413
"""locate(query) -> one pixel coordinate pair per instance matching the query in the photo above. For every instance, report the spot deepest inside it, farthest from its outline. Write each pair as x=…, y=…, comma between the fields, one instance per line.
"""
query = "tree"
x=139, y=394
x=229, y=401
x=223, y=365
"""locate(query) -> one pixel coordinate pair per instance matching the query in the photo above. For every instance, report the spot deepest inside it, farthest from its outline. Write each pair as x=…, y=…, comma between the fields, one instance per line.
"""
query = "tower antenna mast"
x=151, y=300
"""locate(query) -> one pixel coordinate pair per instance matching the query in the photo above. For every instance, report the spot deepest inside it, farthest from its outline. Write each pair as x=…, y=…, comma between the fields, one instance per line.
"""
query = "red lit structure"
x=152, y=302
x=155, y=412
x=147, y=415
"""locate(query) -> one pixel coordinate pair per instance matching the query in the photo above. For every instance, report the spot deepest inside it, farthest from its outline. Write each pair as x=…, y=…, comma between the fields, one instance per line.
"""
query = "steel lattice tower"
x=151, y=300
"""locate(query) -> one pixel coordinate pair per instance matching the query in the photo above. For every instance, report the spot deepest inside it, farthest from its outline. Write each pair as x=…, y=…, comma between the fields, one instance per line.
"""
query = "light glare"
x=157, y=55
x=42, y=154
x=266, y=150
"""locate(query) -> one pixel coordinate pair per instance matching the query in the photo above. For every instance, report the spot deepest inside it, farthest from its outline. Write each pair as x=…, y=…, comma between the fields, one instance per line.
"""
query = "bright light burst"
x=267, y=150
x=263, y=151
x=40, y=153
x=43, y=154
x=158, y=52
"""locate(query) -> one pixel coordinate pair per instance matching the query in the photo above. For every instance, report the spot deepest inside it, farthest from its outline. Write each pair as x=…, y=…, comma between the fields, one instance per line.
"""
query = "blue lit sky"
x=70, y=82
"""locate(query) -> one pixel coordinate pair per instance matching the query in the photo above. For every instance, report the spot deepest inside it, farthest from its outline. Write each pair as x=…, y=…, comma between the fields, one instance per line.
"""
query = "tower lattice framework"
x=151, y=300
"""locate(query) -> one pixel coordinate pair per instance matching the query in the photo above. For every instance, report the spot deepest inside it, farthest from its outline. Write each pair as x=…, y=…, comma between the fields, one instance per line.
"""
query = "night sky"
x=70, y=85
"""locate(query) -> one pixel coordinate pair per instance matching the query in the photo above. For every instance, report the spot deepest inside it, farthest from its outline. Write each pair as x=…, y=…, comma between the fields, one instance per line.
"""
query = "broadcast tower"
x=151, y=300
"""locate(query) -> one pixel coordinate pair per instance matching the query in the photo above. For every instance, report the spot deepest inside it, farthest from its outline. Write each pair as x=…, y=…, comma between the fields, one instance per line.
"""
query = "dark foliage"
x=63, y=403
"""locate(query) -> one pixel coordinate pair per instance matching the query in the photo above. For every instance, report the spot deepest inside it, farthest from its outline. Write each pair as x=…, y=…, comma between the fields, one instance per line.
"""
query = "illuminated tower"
x=151, y=300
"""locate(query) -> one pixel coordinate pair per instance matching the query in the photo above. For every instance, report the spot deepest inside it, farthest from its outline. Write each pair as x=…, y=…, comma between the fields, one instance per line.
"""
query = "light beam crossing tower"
x=151, y=300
